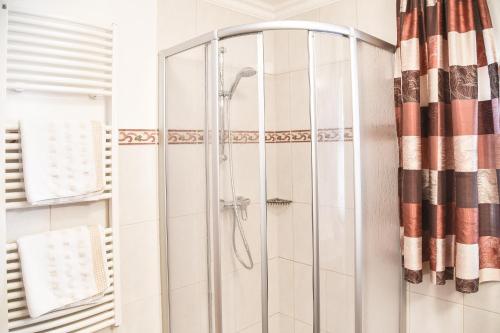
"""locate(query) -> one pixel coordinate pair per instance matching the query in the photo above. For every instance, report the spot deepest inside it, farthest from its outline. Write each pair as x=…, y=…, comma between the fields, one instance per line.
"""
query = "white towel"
x=63, y=161
x=63, y=268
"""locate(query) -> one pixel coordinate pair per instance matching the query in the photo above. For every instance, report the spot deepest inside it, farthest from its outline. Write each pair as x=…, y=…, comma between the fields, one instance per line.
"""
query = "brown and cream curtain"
x=448, y=119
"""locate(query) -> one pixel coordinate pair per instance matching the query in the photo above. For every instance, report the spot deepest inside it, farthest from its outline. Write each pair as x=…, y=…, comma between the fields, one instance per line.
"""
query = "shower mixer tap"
x=241, y=204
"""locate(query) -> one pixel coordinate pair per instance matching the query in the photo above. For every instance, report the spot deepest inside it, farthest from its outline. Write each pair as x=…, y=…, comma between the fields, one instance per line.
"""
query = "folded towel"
x=63, y=161
x=63, y=268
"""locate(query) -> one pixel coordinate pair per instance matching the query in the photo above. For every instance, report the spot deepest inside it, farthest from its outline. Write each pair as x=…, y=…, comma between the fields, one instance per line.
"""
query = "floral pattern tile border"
x=137, y=136
x=151, y=136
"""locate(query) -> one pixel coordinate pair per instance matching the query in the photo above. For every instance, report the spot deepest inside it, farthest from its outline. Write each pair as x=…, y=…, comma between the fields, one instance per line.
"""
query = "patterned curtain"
x=447, y=113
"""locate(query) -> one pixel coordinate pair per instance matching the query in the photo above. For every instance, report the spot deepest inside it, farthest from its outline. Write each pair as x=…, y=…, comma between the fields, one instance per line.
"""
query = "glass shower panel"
x=240, y=217
x=187, y=225
x=335, y=182
x=382, y=257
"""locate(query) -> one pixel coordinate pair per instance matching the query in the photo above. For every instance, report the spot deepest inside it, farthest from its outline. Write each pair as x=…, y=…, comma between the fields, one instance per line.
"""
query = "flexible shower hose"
x=237, y=219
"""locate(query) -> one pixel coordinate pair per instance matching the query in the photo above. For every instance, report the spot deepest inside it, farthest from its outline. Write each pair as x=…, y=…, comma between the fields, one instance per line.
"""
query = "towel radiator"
x=54, y=58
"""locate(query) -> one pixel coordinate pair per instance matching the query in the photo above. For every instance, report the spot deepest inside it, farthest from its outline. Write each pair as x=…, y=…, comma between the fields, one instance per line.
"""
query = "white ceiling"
x=271, y=9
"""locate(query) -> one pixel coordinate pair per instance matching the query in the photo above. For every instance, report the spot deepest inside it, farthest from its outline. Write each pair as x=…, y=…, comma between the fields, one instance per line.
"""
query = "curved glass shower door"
x=282, y=134
x=265, y=186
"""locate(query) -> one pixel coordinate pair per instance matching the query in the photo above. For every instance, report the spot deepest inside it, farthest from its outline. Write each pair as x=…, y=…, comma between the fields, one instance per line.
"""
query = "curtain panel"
x=448, y=122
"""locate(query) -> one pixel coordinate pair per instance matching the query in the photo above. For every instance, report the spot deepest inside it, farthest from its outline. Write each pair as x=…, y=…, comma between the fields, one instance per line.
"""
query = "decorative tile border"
x=136, y=136
x=324, y=135
x=179, y=137
x=175, y=137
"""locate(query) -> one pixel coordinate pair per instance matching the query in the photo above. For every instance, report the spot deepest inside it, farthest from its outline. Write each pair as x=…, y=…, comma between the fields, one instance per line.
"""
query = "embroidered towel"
x=63, y=268
x=63, y=161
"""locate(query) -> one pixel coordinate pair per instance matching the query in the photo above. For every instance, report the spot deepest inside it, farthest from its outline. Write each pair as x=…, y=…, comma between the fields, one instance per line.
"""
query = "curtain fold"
x=448, y=120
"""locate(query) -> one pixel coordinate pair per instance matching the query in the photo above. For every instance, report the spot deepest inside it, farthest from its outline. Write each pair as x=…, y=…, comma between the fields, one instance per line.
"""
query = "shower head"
x=247, y=72
x=244, y=72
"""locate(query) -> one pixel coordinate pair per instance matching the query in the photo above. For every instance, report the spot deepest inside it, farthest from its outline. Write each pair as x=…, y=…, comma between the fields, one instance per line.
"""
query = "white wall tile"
x=269, y=41
x=301, y=171
x=138, y=181
x=274, y=323
x=339, y=295
x=273, y=286
x=185, y=90
x=21, y=222
x=283, y=97
x=255, y=328
x=286, y=324
x=270, y=102
x=189, y=309
x=446, y=292
x=229, y=302
x=272, y=233
x=284, y=170
x=247, y=296
x=336, y=174
x=299, y=100
x=285, y=230
x=302, y=233
x=372, y=13
x=341, y=12
x=487, y=298
x=186, y=175
x=238, y=53
x=142, y=316
x=432, y=315
x=134, y=93
x=85, y=213
x=303, y=293
x=286, y=286
x=298, y=59
x=476, y=320
x=246, y=172
x=336, y=244
x=301, y=327
x=187, y=250
x=244, y=105
x=333, y=94
x=140, y=261
x=281, y=51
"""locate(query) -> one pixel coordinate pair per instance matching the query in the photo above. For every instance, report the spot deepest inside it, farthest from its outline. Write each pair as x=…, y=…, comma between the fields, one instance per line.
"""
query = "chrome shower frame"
x=212, y=82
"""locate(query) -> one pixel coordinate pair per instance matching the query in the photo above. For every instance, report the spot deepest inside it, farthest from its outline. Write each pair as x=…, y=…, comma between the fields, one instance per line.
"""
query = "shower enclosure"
x=278, y=186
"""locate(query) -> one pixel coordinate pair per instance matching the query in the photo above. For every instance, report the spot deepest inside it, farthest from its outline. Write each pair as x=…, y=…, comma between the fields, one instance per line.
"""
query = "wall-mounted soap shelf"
x=278, y=202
